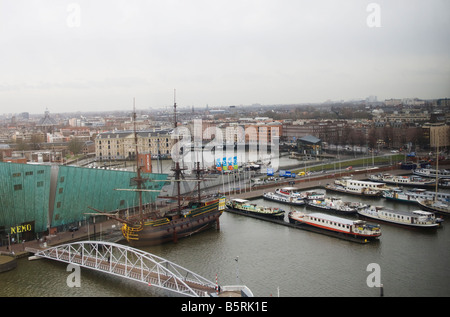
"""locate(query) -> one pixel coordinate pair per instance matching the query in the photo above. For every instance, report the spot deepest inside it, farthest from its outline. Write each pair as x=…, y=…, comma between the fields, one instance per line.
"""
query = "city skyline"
x=69, y=56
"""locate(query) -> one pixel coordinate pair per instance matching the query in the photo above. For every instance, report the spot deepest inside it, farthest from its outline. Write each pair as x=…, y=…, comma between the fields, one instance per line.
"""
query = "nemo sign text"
x=21, y=228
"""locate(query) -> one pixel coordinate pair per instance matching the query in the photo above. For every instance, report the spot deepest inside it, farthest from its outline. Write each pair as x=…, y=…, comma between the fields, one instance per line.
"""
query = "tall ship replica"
x=157, y=227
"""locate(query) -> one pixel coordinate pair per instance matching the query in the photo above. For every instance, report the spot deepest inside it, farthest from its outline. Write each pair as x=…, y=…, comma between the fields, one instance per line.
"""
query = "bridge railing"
x=130, y=263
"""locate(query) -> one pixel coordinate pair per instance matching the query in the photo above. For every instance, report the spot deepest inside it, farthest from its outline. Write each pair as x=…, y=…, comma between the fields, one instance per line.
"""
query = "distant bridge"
x=130, y=263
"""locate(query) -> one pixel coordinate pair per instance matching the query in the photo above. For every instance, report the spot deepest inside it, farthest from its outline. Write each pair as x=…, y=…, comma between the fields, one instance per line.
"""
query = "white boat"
x=353, y=228
x=313, y=195
x=246, y=207
x=416, y=218
x=403, y=180
x=356, y=184
x=284, y=199
x=441, y=207
x=286, y=195
x=353, y=191
x=444, y=183
x=432, y=173
x=413, y=195
x=334, y=204
x=350, y=186
x=289, y=192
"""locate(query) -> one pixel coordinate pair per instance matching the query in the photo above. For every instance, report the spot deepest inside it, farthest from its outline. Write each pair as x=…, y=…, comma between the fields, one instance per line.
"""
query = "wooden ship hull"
x=172, y=228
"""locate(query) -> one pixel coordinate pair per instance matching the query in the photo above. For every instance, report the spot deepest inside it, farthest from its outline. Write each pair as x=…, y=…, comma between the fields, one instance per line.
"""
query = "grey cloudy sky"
x=100, y=54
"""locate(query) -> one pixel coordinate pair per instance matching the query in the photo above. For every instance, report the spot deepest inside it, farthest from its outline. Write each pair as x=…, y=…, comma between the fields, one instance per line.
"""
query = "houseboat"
x=413, y=195
x=288, y=192
x=444, y=183
x=313, y=195
x=290, y=200
x=432, y=173
x=334, y=204
x=401, y=180
x=286, y=195
x=416, y=218
x=441, y=207
x=354, y=228
x=350, y=186
x=246, y=207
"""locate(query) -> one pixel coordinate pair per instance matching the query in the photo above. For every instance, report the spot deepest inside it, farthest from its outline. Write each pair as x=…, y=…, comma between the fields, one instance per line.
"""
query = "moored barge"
x=352, y=228
x=402, y=180
x=432, y=173
x=246, y=207
x=286, y=195
x=334, y=204
x=415, y=218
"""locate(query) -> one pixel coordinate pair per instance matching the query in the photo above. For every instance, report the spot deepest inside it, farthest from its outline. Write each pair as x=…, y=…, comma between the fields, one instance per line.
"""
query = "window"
x=28, y=173
x=40, y=184
x=18, y=187
x=61, y=180
x=40, y=172
x=17, y=174
x=58, y=204
x=60, y=190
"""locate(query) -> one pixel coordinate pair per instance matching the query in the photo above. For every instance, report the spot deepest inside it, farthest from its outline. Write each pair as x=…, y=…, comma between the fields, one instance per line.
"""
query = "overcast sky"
x=100, y=54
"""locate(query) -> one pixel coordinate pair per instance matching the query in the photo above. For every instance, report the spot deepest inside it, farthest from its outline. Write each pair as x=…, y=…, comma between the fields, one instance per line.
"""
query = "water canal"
x=271, y=260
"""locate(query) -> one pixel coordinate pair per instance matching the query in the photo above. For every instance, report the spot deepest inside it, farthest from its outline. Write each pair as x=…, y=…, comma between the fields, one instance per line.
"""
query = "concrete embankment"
x=7, y=263
x=308, y=182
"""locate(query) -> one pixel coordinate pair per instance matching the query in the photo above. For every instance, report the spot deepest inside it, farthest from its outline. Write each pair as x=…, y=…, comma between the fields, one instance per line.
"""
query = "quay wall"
x=7, y=263
x=307, y=182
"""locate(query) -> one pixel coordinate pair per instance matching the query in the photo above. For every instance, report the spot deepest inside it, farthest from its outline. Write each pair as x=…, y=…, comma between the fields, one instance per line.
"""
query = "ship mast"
x=176, y=169
x=437, y=168
x=138, y=178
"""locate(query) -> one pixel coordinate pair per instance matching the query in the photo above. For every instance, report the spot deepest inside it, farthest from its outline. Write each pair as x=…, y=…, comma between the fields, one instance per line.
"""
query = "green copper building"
x=35, y=198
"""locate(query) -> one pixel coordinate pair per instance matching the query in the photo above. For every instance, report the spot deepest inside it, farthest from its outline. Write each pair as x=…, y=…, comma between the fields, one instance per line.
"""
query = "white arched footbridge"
x=134, y=264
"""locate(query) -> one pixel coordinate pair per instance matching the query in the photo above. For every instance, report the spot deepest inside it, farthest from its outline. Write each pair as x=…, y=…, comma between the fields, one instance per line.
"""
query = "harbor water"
x=274, y=260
